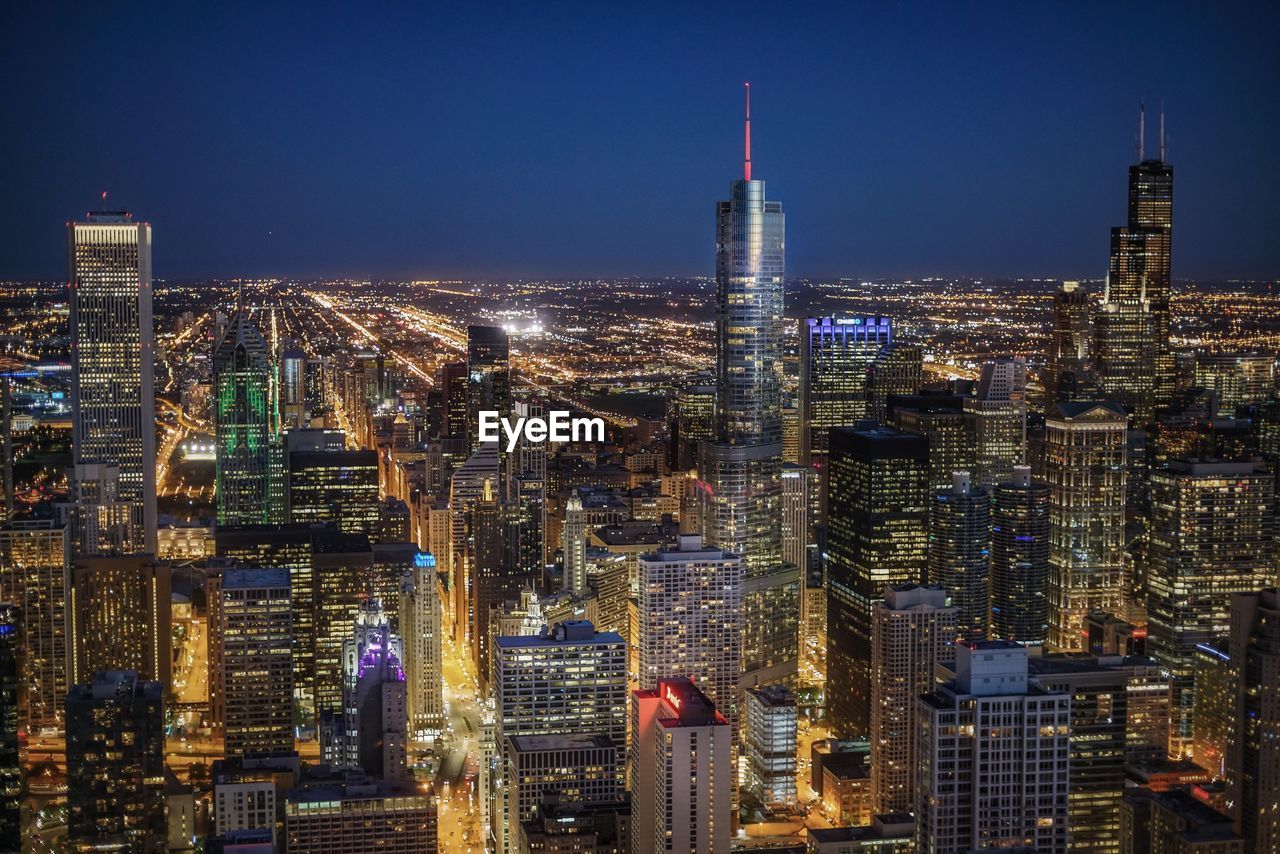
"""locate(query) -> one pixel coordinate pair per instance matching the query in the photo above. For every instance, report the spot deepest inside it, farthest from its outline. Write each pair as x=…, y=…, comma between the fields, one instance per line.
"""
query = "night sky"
x=541, y=139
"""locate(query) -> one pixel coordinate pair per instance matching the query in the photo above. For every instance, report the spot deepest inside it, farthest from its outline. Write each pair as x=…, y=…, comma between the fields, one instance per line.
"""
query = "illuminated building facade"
x=11, y=782
x=119, y=617
x=1212, y=534
x=576, y=768
x=360, y=816
x=245, y=426
x=113, y=441
x=681, y=771
x=335, y=486
x=1020, y=528
x=256, y=672
x=999, y=406
x=422, y=625
x=34, y=559
x=488, y=377
x=878, y=502
x=1069, y=342
x=1238, y=379
x=960, y=552
x=912, y=630
x=1085, y=462
x=952, y=432
x=115, y=764
x=994, y=754
x=1253, y=760
x=769, y=745
x=741, y=468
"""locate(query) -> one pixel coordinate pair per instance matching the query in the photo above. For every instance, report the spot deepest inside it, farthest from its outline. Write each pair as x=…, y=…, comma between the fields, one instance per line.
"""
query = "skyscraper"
x=1253, y=758
x=488, y=377
x=1213, y=534
x=1069, y=342
x=1134, y=359
x=115, y=764
x=681, y=772
x=913, y=630
x=422, y=623
x=119, y=617
x=33, y=577
x=255, y=615
x=879, y=509
x=769, y=745
x=741, y=468
x=11, y=782
x=113, y=444
x=689, y=611
x=1020, y=560
x=1085, y=457
x=336, y=486
x=960, y=552
x=994, y=757
x=245, y=426
x=999, y=405
x=951, y=429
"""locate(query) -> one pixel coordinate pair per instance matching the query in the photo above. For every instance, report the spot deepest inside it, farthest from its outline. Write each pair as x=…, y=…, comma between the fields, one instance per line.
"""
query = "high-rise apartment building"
x=119, y=617
x=1069, y=343
x=769, y=745
x=34, y=559
x=115, y=764
x=422, y=623
x=113, y=440
x=1253, y=758
x=878, y=535
x=1020, y=527
x=568, y=680
x=912, y=630
x=1213, y=533
x=11, y=774
x=952, y=432
x=1238, y=379
x=1085, y=462
x=256, y=671
x=681, y=772
x=994, y=757
x=999, y=406
x=576, y=768
x=741, y=468
x=960, y=552
x=798, y=485
x=245, y=426
x=1134, y=360
x=488, y=377
x=689, y=614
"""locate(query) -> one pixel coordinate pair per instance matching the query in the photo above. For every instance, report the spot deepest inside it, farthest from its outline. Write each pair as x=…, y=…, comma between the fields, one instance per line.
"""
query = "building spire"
x=746, y=164
x=1162, y=130
x=1142, y=128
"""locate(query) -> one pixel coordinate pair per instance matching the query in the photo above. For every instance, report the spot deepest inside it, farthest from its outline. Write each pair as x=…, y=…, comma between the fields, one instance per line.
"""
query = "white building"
x=681, y=772
x=421, y=623
x=911, y=631
x=994, y=757
x=769, y=744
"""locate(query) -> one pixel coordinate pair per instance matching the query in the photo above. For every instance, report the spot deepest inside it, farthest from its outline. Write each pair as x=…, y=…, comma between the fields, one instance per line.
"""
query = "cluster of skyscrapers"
x=1035, y=609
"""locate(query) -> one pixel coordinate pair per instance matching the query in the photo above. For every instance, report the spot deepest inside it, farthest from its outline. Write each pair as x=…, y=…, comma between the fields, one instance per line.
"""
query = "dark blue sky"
x=543, y=139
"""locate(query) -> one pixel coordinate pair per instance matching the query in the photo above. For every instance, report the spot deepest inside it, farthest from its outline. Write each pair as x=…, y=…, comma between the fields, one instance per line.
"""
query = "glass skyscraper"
x=245, y=426
x=113, y=496
x=741, y=469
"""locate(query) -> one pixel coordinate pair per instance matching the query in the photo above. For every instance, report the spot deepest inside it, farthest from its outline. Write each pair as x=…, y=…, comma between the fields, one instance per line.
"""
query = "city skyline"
x=389, y=161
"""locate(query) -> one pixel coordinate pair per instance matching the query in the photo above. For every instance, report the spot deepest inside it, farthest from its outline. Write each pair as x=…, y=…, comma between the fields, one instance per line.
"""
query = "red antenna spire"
x=746, y=165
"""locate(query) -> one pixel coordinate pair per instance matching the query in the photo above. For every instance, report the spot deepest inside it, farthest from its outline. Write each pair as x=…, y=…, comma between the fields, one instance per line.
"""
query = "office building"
x=1253, y=758
x=255, y=639
x=960, y=552
x=567, y=680
x=1085, y=463
x=569, y=828
x=422, y=623
x=994, y=757
x=897, y=371
x=1213, y=530
x=1237, y=379
x=769, y=745
x=689, y=614
x=249, y=793
x=113, y=440
x=1069, y=342
x=578, y=769
x=119, y=618
x=115, y=764
x=488, y=377
x=244, y=425
x=293, y=388
x=951, y=430
x=1175, y=822
x=877, y=536
x=836, y=355
x=583, y=514
x=693, y=420
x=1134, y=359
x=371, y=730
x=913, y=630
x=798, y=484
x=11, y=774
x=335, y=486
x=999, y=407
x=356, y=817
x=893, y=833
x=741, y=468
x=34, y=559
x=681, y=771
x=478, y=475
x=1020, y=560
